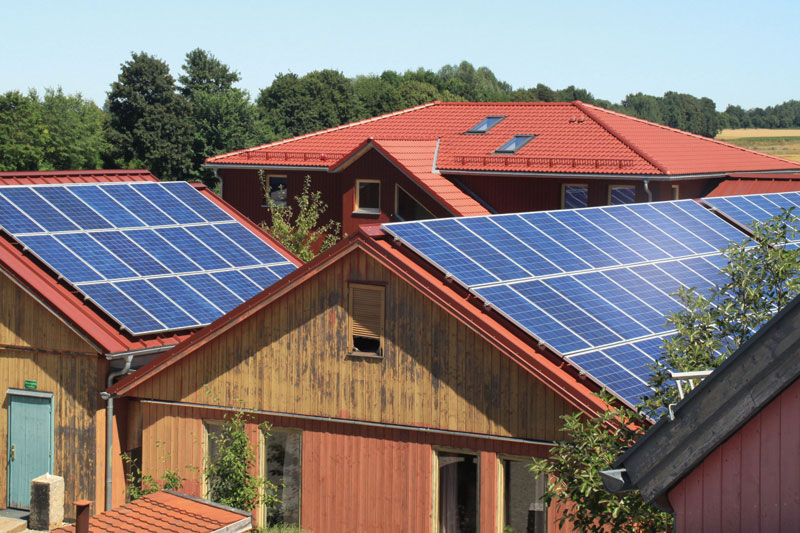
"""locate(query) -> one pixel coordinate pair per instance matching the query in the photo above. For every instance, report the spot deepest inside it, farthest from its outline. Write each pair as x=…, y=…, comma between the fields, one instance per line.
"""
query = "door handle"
x=13, y=452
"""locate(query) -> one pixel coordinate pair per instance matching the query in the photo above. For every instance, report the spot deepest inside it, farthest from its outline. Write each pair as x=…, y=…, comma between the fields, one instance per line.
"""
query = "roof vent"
x=486, y=124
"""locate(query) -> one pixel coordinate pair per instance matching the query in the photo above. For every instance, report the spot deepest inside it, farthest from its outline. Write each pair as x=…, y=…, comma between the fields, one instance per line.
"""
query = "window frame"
x=366, y=210
x=617, y=186
x=372, y=286
x=501, y=491
x=435, y=482
x=528, y=137
x=262, y=467
x=397, y=189
x=267, y=180
x=474, y=131
x=676, y=192
x=207, y=422
x=564, y=193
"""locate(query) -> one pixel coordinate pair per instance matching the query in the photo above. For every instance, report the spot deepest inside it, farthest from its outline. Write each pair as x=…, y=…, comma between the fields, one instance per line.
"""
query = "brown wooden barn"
x=397, y=401
x=730, y=458
x=57, y=354
x=461, y=159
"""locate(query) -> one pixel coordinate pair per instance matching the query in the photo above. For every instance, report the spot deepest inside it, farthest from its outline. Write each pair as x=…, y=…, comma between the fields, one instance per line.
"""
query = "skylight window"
x=486, y=124
x=516, y=142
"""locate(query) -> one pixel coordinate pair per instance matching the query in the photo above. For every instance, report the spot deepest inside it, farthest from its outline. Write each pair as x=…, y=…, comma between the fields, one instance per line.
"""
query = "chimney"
x=82, y=514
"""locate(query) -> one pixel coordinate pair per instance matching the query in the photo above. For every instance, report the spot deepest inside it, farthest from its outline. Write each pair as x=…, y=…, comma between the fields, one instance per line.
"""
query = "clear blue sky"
x=743, y=53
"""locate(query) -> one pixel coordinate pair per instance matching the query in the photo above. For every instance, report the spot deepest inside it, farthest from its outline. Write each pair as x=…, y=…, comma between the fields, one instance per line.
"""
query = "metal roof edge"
x=723, y=402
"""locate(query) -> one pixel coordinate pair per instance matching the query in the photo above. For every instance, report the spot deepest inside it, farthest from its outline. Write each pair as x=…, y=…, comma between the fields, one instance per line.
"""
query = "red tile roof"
x=83, y=317
x=73, y=176
x=570, y=138
x=757, y=184
x=168, y=511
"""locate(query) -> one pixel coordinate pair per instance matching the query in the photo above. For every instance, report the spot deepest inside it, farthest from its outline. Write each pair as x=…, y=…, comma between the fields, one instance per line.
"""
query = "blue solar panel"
x=36, y=208
x=601, y=281
x=165, y=253
x=755, y=207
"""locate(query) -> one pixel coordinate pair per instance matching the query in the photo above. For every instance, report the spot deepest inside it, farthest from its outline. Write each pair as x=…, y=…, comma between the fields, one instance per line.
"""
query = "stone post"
x=47, y=502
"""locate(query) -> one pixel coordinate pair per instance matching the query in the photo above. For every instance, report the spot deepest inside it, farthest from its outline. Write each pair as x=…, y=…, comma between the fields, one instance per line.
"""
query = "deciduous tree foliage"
x=762, y=276
x=150, y=122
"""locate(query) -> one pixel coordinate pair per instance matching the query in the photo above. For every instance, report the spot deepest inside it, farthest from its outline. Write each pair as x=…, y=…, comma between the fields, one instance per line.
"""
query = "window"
x=407, y=208
x=486, y=124
x=621, y=194
x=275, y=188
x=516, y=142
x=368, y=197
x=456, y=503
x=521, y=493
x=281, y=464
x=574, y=196
x=366, y=303
x=212, y=431
x=676, y=192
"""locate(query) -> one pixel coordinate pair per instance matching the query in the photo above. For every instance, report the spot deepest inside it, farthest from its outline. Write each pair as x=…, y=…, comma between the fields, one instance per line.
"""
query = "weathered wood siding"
x=291, y=357
x=354, y=478
x=62, y=363
x=752, y=481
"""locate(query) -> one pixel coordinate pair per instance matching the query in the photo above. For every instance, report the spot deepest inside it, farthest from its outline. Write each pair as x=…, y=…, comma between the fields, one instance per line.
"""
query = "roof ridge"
x=622, y=138
x=321, y=132
x=689, y=134
x=80, y=172
x=505, y=103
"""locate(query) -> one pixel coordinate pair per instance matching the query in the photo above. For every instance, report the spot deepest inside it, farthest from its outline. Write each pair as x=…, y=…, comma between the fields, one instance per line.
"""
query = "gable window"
x=275, y=188
x=368, y=197
x=516, y=142
x=365, y=323
x=521, y=495
x=408, y=208
x=486, y=124
x=282, y=466
x=621, y=194
x=676, y=192
x=574, y=195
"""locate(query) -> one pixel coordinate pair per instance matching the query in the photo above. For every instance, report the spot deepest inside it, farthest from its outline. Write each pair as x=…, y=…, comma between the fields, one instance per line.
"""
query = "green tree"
x=229, y=474
x=205, y=73
x=761, y=276
x=21, y=132
x=303, y=232
x=150, y=123
x=74, y=131
x=591, y=445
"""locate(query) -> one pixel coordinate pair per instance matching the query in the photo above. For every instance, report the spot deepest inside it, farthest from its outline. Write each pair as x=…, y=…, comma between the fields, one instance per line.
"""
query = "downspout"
x=110, y=425
x=647, y=190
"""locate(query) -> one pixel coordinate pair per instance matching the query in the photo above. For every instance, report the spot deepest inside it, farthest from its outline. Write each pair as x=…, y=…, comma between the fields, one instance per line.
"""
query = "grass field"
x=782, y=143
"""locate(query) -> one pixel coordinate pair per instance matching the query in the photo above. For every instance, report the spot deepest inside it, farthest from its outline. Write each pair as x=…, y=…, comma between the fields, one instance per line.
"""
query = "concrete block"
x=47, y=502
x=12, y=525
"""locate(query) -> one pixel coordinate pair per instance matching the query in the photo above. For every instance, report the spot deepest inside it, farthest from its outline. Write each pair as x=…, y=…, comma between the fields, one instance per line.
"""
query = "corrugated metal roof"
x=757, y=184
x=570, y=138
x=168, y=511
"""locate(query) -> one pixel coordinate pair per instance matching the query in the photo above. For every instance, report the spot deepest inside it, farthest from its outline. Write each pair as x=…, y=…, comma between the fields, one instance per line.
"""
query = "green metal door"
x=30, y=443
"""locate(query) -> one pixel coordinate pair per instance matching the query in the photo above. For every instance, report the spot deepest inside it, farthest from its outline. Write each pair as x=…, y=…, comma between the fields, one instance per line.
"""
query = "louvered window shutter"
x=366, y=312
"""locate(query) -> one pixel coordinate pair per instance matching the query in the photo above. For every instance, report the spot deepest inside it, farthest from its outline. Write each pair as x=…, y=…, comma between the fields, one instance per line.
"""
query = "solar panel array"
x=154, y=256
x=755, y=207
x=593, y=284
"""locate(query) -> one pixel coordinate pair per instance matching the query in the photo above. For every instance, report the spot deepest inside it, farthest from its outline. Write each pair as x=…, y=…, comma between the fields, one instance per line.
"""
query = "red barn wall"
x=354, y=477
x=751, y=482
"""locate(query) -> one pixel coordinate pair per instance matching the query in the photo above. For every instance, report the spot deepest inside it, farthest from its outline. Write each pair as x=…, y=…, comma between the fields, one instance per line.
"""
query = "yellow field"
x=782, y=143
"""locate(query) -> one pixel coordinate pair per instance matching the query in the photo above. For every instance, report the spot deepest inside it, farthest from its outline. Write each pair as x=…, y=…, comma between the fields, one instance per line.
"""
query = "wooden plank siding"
x=36, y=345
x=752, y=481
x=291, y=357
x=354, y=478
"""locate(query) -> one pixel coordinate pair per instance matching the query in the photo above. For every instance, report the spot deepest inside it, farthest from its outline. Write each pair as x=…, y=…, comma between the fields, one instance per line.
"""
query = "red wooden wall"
x=354, y=477
x=751, y=483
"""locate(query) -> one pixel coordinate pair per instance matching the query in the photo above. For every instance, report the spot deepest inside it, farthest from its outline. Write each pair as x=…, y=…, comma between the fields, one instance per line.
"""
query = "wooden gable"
x=292, y=357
